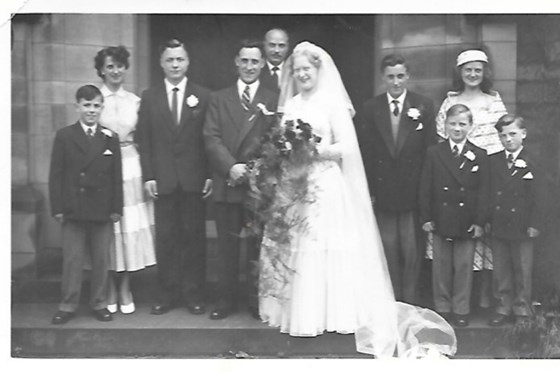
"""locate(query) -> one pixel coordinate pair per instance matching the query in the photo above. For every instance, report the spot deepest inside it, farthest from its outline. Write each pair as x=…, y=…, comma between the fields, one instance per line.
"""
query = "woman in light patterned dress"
x=133, y=244
x=472, y=85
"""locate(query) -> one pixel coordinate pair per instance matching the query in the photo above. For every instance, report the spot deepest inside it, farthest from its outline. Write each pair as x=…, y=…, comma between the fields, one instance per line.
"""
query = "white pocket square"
x=420, y=126
x=474, y=168
x=528, y=176
x=108, y=152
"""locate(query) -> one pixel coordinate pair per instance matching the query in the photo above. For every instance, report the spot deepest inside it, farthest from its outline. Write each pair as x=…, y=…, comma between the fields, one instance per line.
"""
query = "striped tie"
x=246, y=98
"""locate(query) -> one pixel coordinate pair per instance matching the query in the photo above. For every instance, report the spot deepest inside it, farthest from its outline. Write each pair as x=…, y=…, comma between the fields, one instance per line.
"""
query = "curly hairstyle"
x=119, y=54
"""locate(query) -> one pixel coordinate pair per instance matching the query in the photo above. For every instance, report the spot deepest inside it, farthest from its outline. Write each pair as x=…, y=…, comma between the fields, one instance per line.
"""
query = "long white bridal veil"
x=385, y=328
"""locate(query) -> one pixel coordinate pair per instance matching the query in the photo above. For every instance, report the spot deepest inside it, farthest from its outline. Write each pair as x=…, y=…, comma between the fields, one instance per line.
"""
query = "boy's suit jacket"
x=518, y=198
x=171, y=154
x=85, y=179
x=393, y=171
x=233, y=135
x=454, y=191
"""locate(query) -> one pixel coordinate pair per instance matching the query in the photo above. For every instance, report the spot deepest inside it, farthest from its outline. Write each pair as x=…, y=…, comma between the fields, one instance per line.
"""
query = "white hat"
x=471, y=56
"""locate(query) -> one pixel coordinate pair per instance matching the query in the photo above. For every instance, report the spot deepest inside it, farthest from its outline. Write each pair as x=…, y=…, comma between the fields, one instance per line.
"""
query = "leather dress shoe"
x=254, y=311
x=196, y=307
x=221, y=313
x=461, y=320
x=498, y=320
x=159, y=309
x=103, y=315
x=62, y=317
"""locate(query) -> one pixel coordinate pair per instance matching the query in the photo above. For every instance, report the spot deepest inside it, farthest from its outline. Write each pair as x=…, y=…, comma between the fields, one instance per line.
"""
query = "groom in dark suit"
x=237, y=118
x=169, y=136
x=396, y=129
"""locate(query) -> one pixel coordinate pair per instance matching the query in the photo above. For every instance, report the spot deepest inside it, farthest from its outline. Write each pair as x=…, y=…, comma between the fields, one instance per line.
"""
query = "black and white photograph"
x=308, y=181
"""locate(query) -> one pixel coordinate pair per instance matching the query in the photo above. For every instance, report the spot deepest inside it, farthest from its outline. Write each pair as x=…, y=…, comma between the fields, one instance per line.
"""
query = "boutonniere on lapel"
x=262, y=109
x=107, y=132
x=470, y=156
x=192, y=101
x=415, y=115
x=519, y=164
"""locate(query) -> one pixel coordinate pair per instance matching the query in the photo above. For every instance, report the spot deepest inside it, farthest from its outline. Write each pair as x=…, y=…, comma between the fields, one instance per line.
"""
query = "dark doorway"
x=211, y=41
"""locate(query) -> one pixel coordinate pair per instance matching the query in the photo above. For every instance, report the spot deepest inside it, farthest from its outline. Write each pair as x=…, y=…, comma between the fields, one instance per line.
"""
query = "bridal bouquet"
x=279, y=186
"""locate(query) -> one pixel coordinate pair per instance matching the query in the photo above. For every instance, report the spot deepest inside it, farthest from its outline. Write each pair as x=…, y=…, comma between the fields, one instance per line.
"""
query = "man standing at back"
x=174, y=169
x=397, y=127
x=276, y=46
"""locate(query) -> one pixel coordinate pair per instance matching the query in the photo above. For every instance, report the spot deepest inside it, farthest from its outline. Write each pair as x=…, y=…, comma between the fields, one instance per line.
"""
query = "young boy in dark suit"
x=453, y=199
x=85, y=187
x=516, y=219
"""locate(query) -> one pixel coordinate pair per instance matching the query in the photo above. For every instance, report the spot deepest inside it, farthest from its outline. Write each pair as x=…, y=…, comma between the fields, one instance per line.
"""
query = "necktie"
x=89, y=133
x=455, y=151
x=246, y=98
x=174, y=108
x=396, y=108
x=275, y=75
x=510, y=161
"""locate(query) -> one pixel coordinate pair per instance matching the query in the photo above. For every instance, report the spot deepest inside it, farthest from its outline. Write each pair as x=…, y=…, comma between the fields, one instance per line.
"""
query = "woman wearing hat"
x=472, y=85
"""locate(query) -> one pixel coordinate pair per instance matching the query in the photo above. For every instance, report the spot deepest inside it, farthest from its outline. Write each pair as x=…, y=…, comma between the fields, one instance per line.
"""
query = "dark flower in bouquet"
x=279, y=185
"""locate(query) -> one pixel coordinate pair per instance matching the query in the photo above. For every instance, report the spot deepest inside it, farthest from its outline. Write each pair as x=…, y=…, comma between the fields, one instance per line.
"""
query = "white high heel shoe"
x=112, y=308
x=128, y=309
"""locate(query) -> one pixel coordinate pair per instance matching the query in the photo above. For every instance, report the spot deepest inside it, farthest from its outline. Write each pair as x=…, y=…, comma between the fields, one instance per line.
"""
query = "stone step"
x=179, y=334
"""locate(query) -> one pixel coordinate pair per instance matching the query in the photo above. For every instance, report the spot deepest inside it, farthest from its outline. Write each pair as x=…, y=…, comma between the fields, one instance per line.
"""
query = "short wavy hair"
x=457, y=109
x=509, y=119
x=118, y=53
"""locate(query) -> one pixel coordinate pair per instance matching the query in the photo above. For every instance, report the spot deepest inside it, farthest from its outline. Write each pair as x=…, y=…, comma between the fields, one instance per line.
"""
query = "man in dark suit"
x=276, y=46
x=453, y=206
x=396, y=128
x=236, y=120
x=517, y=215
x=174, y=169
x=85, y=189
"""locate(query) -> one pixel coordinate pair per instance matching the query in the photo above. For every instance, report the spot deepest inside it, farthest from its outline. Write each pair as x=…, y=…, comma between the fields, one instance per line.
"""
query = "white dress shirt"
x=278, y=72
x=180, y=95
x=86, y=127
x=459, y=145
x=515, y=154
x=399, y=99
x=253, y=87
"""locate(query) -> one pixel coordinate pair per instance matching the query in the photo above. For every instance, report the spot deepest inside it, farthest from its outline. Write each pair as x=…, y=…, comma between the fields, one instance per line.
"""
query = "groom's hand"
x=237, y=171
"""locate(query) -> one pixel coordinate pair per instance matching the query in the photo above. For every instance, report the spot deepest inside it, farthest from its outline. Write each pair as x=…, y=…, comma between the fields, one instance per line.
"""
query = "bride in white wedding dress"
x=338, y=276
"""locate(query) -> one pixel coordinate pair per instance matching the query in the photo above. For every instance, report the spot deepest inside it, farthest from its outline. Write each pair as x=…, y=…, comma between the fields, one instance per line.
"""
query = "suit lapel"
x=250, y=117
x=446, y=156
x=80, y=138
x=234, y=108
x=97, y=145
x=517, y=173
x=163, y=107
x=384, y=124
x=502, y=169
x=186, y=111
x=404, y=125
